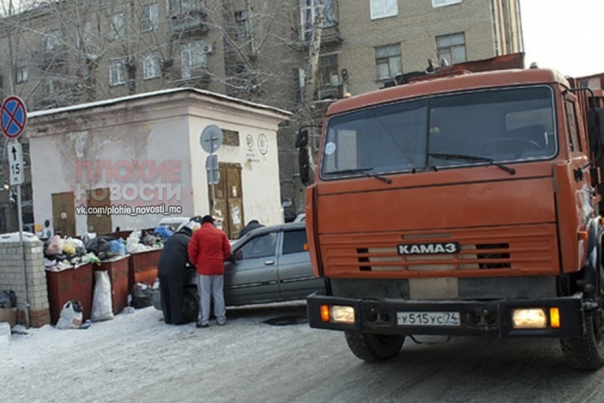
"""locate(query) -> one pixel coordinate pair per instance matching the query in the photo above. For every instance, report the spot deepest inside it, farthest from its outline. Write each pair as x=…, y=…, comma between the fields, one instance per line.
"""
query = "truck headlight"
x=337, y=314
x=529, y=318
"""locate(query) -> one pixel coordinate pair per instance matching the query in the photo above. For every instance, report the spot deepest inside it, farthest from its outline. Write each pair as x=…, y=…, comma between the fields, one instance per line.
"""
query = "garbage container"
x=117, y=268
x=70, y=284
x=143, y=267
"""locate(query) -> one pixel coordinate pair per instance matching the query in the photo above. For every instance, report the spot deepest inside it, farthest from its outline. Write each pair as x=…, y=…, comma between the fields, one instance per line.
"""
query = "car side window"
x=260, y=246
x=294, y=241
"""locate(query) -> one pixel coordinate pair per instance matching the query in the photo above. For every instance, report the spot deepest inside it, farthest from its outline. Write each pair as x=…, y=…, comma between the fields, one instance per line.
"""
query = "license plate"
x=428, y=318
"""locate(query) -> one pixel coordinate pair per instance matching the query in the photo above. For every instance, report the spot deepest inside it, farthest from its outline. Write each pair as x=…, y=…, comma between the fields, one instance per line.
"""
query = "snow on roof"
x=14, y=237
x=113, y=101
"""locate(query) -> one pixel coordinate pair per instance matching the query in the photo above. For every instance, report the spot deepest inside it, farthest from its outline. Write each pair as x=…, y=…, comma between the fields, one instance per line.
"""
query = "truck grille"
x=529, y=249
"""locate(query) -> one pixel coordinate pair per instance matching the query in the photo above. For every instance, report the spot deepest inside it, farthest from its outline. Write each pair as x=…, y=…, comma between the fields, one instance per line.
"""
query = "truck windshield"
x=498, y=127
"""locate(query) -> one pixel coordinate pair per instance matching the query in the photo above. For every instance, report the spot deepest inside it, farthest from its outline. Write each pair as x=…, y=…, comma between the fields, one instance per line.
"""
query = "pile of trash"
x=65, y=253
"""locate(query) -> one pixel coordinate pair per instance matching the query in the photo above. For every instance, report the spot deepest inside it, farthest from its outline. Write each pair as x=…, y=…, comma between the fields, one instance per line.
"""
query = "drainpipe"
x=495, y=26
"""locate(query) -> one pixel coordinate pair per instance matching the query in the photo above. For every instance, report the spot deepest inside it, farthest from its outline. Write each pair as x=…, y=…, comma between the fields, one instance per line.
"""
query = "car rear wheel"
x=190, y=304
x=374, y=347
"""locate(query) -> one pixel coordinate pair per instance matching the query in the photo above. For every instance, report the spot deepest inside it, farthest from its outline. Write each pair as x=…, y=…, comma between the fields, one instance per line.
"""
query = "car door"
x=296, y=278
x=252, y=276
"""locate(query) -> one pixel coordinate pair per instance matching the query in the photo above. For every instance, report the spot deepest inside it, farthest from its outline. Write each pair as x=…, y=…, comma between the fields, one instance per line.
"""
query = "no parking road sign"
x=13, y=116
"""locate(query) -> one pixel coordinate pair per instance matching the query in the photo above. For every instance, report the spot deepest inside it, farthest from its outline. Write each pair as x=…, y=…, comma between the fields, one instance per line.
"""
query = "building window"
x=442, y=3
x=452, y=48
x=308, y=13
x=151, y=67
x=21, y=74
x=49, y=87
x=388, y=61
x=117, y=71
x=85, y=36
x=328, y=71
x=241, y=22
x=186, y=6
x=193, y=58
x=117, y=26
x=383, y=8
x=149, y=18
x=52, y=40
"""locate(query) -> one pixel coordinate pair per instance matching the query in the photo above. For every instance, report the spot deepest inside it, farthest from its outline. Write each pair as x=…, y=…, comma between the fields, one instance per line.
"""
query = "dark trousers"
x=172, y=290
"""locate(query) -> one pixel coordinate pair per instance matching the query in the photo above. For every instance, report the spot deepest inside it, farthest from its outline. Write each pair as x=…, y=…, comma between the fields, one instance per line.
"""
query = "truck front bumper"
x=470, y=318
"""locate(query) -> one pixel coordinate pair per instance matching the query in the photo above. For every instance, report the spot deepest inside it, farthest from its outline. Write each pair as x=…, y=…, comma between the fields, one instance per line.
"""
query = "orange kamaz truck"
x=460, y=202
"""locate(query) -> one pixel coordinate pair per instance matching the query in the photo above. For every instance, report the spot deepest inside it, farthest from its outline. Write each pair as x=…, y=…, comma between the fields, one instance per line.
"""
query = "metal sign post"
x=211, y=140
x=13, y=116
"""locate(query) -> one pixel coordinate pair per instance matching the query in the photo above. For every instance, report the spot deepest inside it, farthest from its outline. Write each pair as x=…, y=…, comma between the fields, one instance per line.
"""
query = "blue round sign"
x=13, y=116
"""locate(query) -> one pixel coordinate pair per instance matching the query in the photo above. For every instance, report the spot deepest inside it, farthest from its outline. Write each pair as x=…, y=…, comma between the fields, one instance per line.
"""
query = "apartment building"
x=75, y=51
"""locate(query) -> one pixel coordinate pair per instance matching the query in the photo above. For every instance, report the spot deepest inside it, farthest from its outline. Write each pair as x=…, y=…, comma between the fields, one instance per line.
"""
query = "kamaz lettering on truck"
x=461, y=202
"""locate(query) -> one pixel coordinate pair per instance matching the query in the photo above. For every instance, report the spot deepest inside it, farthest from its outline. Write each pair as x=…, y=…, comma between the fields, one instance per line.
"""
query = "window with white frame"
x=442, y=3
x=388, y=61
x=21, y=73
x=193, y=58
x=52, y=40
x=452, y=48
x=117, y=71
x=118, y=26
x=383, y=8
x=149, y=18
x=328, y=71
x=308, y=14
x=151, y=67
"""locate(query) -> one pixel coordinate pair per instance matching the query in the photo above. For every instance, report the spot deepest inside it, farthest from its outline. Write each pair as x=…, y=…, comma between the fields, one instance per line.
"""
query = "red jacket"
x=208, y=249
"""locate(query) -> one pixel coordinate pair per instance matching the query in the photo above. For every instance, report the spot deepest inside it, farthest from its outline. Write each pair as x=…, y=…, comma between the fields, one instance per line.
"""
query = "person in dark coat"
x=253, y=224
x=171, y=270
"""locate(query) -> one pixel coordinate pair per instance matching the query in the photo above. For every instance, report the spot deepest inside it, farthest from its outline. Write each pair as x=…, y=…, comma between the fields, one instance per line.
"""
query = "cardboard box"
x=9, y=315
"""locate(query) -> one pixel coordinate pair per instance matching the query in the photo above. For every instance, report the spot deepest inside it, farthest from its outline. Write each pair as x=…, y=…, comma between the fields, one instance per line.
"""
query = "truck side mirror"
x=302, y=138
x=303, y=165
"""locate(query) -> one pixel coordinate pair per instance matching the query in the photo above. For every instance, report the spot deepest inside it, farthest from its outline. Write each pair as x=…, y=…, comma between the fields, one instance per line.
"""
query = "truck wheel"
x=374, y=347
x=190, y=304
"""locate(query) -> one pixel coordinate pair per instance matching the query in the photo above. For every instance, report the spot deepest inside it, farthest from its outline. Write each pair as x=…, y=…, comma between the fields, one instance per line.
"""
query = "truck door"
x=579, y=159
x=296, y=278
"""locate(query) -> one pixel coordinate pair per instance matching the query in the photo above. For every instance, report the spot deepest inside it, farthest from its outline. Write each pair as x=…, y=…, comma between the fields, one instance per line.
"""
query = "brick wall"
x=11, y=277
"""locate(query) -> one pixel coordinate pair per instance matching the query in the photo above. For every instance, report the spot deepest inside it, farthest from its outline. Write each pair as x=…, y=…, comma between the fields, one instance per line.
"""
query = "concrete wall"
x=11, y=277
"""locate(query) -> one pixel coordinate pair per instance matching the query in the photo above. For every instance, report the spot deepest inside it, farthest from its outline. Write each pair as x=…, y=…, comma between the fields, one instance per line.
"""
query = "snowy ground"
x=136, y=357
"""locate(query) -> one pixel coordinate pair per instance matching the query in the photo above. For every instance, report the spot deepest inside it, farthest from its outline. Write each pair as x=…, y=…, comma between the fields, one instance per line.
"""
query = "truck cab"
x=463, y=203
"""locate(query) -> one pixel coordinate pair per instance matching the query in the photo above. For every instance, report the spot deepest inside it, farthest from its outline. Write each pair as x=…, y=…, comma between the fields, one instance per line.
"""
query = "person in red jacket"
x=208, y=249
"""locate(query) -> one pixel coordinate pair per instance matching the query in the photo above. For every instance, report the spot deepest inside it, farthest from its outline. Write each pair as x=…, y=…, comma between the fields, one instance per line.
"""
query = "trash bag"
x=8, y=299
x=99, y=246
x=141, y=295
x=55, y=246
x=162, y=232
x=102, y=305
x=71, y=315
x=116, y=248
x=150, y=240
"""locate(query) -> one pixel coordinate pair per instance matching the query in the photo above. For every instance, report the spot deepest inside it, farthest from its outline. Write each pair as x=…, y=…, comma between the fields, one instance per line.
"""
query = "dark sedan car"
x=269, y=264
